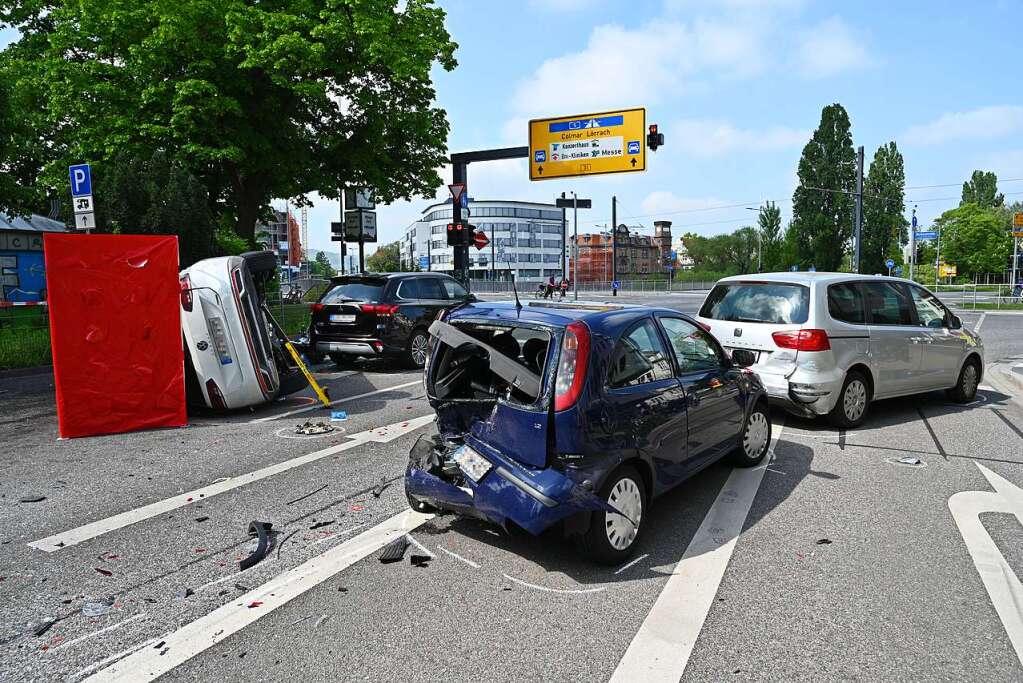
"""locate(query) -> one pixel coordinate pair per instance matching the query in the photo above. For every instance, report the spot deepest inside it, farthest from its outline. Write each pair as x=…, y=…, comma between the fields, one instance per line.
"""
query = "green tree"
x=321, y=267
x=742, y=249
x=157, y=196
x=822, y=205
x=769, y=224
x=982, y=189
x=258, y=99
x=884, y=227
x=974, y=239
x=386, y=259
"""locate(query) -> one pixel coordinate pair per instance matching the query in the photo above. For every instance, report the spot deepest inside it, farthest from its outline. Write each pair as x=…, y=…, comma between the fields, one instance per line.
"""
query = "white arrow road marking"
x=318, y=406
x=103, y=526
x=203, y=633
x=662, y=646
x=1001, y=582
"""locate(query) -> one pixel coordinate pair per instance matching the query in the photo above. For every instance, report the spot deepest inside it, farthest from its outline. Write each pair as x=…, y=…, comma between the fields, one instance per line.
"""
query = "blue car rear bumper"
x=532, y=499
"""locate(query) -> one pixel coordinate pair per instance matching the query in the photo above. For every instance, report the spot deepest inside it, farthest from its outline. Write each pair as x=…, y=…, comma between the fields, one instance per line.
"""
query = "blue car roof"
x=598, y=315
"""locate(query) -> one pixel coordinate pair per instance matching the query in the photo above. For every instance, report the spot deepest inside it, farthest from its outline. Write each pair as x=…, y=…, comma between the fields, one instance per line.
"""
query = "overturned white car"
x=234, y=349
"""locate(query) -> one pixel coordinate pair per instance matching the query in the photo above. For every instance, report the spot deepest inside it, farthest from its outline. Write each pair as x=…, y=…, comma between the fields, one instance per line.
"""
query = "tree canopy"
x=822, y=205
x=258, y=100
x=982, y=189
x=975, y=239
x=884, y=227
x=769, y=224
x=386, y=259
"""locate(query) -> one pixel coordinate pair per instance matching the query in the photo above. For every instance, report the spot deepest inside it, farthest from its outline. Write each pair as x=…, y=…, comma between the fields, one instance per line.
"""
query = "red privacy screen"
x=115, y=328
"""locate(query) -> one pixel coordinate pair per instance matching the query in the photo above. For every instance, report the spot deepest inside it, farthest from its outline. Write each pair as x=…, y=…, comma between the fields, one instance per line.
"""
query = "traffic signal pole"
x=459, y=174
x=614, y=243
x=858, y=227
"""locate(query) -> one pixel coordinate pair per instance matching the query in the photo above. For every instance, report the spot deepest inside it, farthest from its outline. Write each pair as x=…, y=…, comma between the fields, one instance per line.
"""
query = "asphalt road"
x=848, y=564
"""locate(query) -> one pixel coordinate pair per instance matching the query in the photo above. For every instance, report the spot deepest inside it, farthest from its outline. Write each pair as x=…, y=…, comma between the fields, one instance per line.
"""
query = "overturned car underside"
x=492, y=386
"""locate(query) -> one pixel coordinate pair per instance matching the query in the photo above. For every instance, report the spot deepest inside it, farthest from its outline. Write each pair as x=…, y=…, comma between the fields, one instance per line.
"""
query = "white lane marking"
x=201, y=634
x=1002, y=584
x=103, y=526
x=114, y=657
x=96, y=633
x=980, y=321
x=662, y=646
x=420, y=546
x=458, y=557
x=281, y=416
x=554, y=590
x=624, y=567
x=337, y=535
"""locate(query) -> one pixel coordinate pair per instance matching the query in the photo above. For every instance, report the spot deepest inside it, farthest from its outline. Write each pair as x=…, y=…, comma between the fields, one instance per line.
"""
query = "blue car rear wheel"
x=612, y=537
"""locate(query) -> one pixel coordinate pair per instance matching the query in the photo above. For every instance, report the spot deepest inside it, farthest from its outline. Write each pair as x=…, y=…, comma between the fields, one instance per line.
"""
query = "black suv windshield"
x=758, y=302
x=354, y=290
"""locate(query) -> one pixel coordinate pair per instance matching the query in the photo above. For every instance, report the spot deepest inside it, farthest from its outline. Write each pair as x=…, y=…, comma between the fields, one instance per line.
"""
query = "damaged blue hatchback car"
x=578, y=414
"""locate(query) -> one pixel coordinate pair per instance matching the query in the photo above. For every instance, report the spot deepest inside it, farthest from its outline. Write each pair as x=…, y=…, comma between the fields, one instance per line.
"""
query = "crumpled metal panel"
x=115, y=330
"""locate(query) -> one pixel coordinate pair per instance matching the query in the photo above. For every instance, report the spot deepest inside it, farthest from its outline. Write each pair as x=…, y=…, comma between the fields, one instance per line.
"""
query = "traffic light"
x=654, y=139
x=460, y=234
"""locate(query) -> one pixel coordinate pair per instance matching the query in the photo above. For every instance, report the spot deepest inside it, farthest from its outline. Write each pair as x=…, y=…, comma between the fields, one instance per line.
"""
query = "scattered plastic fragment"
x=379, y=488
x=242, y=587
x=98, y=608
x=422, y=561
x=201, y=519
x=184, y=593
x=255, y=603
x=320, y=525
x=160, y=644
x=909, y=460
x=188, y=500
x=299, y=621
x=323, y=618
x=151, y=601
x=44, y=627
x=823, y=541
x=32, y=499
x=307, y=495
x=200, y=550
x=357, y=507
x=342, y=589
x=338, y=416
x=262, y=530
x=104, y=572
x=313, y=428
x=394, y=551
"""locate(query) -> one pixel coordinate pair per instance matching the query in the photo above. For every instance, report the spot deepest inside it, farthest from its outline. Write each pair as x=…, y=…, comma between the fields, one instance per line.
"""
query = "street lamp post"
x=760, y=244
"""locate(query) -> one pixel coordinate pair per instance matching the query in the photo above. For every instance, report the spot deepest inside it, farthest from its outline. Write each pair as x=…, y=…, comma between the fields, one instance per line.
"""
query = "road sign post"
x=891, y=264
x=81, y=196
x=587, y=144
x=576, y=204
x=1017, y=232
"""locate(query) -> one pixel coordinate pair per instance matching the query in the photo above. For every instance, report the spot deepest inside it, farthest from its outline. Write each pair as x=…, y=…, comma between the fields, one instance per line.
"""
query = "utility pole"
x=575, y=246
x=614, y=243
x=858, y=228
x=563, y=259
x=937, y=256
x=912, y=243
x=341, y=211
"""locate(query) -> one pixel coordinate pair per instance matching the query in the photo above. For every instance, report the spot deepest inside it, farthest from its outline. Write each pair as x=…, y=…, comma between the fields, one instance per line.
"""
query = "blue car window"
x=638, y=358
x=693, y=349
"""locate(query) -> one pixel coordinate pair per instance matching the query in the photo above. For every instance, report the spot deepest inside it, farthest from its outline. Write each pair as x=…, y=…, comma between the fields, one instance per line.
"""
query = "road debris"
x=262, y=531
x=909, y=460
x=44, y=627
x=395, y=550
x=242, y=587
x=823, y=541
x=291, y=502
x=104, y=572
x=160, y=644
x=422, y=561
x=98, y=608
x=299, y=621
x=313, y=428
x=320, y=525
x=356, y=507
x=379, y=488
x=184, y=593
x=201, y=519
x=281, y=544
x=338, y=416
x=323, y=618
x=31, y=499
x=255, y=603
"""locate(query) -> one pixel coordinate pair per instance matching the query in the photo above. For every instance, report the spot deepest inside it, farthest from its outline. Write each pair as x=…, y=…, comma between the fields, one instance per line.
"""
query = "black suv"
x=381, y=314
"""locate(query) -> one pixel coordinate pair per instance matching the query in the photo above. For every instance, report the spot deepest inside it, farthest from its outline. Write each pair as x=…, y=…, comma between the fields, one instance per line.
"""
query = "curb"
x=1015, y=375
x=26, y=372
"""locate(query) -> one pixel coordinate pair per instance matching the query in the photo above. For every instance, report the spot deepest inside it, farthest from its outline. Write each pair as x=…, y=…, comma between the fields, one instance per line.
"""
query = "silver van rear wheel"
x=852, y=404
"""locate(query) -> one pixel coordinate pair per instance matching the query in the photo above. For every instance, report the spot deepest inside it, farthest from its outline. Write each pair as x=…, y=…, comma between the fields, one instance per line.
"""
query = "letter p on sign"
x=81, y=180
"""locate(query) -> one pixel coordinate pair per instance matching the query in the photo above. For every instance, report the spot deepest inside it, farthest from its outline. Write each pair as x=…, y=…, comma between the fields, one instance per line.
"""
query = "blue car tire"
x=612, y=538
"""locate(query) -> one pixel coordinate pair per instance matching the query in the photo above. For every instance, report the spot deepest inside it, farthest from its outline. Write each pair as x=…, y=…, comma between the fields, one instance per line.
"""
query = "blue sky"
x=737, y=87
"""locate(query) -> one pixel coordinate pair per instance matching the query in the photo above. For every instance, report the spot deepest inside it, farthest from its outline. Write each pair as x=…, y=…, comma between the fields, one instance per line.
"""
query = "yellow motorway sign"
x=947, y=270
x=1017, y=233
x=1017, y=219
x=587, y=144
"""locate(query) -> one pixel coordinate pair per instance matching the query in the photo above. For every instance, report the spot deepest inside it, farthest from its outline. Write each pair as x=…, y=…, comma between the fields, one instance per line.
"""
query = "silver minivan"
x=830, y=343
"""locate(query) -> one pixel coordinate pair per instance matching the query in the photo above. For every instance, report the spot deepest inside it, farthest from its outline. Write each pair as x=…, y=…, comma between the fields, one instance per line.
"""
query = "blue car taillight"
x=575, y=353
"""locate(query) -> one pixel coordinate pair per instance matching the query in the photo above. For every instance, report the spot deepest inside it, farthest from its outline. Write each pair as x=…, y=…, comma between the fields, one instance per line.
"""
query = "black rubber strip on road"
x=934, y=437
x=1006, y=421
x=394, y=551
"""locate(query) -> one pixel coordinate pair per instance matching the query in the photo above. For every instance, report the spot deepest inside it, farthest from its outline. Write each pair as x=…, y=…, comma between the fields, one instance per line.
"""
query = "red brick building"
x=637, y=254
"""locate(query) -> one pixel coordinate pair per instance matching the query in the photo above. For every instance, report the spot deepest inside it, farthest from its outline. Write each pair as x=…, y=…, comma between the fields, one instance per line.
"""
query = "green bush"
x=24, y=347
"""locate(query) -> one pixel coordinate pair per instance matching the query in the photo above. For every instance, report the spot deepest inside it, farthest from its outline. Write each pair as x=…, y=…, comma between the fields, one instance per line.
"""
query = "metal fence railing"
x=627, y=286
x=24, y=334
x=972, y=296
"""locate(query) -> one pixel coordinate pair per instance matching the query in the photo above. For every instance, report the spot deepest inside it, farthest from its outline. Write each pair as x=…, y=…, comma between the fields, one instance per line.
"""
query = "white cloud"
x=831, y=47
x=622, y=67
x=710, y=138
x=985, y=122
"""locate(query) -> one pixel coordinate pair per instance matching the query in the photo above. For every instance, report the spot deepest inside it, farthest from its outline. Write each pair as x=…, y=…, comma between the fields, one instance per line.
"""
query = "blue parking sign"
x=634, y=147
x=81, y=180
x=540, y=156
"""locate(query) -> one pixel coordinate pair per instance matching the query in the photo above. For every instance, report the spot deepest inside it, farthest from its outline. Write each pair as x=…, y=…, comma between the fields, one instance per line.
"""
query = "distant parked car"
x=381, y=314
x=831, y=343
x=234, y=357
x=578, y=414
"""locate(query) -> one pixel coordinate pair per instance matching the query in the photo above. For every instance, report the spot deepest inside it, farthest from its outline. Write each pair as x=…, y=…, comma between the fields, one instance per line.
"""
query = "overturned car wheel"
x=612, y=537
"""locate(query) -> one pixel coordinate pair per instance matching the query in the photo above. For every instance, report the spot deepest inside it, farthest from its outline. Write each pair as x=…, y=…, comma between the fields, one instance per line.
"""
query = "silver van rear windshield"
x=758, y=302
